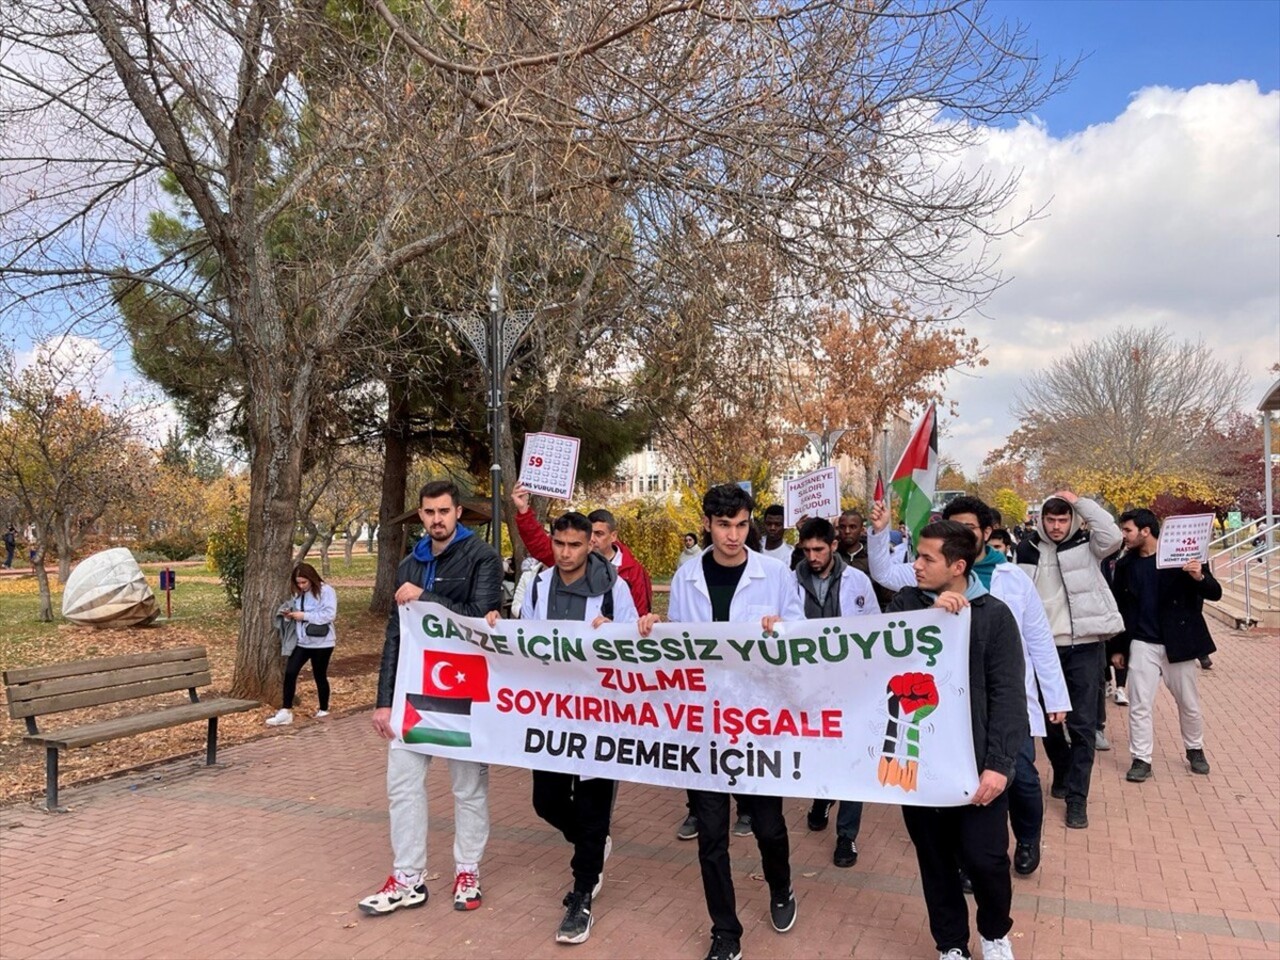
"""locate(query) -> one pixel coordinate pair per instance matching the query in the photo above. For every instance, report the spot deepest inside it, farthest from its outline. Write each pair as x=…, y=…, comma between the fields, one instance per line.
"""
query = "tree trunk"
x=373, y=532
x=277, y=439
x=42, y=581
x=395, y=477
x=62, y=533
x=352, y=530
x=326, y=541
x=307, y=542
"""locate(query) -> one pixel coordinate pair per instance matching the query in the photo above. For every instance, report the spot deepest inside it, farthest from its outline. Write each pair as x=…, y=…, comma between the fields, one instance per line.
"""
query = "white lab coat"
x=1016, y=591
x=767, y=589
x=624, y=608
x=857, y=595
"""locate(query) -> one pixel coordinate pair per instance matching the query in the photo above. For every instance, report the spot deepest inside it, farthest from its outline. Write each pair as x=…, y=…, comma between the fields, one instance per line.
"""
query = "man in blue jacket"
x=1165, y=634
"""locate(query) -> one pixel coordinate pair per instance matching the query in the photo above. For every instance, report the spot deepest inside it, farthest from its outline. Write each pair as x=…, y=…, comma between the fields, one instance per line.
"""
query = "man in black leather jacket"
x=453, y=567
x=1164, y=635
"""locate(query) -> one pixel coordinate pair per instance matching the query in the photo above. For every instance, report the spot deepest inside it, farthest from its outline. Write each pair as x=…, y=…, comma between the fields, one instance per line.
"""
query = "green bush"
x=227, y=552
x=176, y=547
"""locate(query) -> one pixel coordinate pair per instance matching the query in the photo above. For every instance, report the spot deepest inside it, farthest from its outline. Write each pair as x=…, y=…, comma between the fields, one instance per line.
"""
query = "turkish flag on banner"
x=455, y=675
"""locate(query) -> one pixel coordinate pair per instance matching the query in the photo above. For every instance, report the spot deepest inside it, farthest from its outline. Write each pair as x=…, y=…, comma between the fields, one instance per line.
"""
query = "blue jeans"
x=1026, y=802
x=849, y=819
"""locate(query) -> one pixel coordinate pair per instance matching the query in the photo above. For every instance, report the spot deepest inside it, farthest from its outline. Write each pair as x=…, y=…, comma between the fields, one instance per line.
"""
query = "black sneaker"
x=576, y=925
x=1026, y=858
x=688, y=830
x=1058, y=790
x=742, y=826
x=1198, y=763
x=782, y=912
x=819, y=815
x=1206, y=663
x=1139, y=770
x=722, y=948
x=1077, y=815
x=846, y=854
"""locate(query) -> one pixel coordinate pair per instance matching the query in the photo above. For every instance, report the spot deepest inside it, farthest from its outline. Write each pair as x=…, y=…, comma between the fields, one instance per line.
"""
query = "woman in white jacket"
x=313, y=609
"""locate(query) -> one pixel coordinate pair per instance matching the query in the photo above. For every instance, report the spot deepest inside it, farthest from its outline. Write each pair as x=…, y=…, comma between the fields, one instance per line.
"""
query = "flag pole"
x=884, y=459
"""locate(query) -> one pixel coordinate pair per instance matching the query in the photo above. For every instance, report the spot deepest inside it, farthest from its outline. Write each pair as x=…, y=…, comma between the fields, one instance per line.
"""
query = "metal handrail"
x=1239, y=533
x=1261, y=553
x=1223, y=557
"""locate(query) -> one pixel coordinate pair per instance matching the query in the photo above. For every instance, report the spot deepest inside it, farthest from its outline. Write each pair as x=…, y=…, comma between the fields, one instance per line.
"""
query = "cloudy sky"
x=1160, y=169
x=1159, y=172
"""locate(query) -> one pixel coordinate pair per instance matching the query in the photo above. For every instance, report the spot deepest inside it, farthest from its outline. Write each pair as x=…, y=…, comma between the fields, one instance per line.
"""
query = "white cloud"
x=86, y=365
x=1168, y=214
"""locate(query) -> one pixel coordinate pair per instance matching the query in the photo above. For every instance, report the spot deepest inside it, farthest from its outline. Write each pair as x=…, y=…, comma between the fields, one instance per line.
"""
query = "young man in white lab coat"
x=733, y=584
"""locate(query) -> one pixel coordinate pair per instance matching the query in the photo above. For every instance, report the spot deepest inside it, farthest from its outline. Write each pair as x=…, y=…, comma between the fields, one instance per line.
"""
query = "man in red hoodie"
x=604, y=540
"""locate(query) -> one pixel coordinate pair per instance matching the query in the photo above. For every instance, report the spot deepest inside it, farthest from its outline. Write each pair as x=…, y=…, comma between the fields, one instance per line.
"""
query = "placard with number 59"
x=549, y=465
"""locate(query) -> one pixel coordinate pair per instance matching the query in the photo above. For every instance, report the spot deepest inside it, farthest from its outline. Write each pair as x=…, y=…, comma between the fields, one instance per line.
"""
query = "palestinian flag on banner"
x=916, y=475
x=441, y=714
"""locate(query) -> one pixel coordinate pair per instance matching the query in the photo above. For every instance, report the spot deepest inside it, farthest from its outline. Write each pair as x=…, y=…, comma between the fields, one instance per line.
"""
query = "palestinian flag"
x=916, y=474
x=441, y=714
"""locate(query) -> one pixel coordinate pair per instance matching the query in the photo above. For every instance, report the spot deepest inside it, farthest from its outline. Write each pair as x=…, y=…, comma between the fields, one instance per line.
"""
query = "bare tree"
x=311, y=156
x=1125, y=410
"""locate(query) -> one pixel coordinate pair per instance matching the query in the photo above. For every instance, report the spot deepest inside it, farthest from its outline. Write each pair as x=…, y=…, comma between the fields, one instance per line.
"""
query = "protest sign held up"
x=1184, y=538
x=815, y=494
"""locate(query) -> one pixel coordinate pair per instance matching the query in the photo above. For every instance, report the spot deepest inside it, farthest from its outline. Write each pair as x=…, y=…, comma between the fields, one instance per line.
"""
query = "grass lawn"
x=201, y=616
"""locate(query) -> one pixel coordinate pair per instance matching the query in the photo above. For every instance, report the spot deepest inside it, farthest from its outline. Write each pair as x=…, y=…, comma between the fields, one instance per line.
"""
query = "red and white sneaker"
x=393, y=896
x=466, y=891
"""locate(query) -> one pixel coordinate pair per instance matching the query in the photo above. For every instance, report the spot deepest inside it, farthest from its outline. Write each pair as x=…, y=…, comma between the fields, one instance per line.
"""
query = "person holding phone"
x=313, y=609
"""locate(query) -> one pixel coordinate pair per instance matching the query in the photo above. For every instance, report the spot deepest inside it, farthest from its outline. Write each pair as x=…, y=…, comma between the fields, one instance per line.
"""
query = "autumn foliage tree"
x=67, y=453
x=858, y=371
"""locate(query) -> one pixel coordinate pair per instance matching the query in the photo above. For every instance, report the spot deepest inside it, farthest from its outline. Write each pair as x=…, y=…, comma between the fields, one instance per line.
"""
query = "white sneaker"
x=320, y=714
x=608, y=849
x=1000, y=949
x=281, y=718
x=1122, y=698
x=955, y=953
x=393, y=896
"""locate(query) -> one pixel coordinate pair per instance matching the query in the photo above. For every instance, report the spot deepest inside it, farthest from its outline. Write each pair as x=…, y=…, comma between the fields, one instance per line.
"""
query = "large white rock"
x=109, y=589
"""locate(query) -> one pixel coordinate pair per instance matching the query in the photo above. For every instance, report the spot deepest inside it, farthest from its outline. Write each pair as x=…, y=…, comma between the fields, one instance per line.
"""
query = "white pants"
x=1148, y=663
x=407, y=799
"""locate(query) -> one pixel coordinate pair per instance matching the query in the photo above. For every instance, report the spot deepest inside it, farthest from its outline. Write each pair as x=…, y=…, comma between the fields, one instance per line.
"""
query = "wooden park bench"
x=36, y=691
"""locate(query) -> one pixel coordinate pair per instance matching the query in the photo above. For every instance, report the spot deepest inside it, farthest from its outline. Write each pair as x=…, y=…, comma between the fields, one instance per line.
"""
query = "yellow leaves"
x=1125, y=490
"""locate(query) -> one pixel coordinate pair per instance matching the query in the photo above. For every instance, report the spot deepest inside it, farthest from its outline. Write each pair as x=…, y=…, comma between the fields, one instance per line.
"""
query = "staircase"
x=1250, y=578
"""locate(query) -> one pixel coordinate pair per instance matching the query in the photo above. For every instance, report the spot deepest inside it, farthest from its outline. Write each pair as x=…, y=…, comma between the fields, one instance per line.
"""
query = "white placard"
x=1184, y=538
x=871, y=708
x=815, y=494
x=550, y=464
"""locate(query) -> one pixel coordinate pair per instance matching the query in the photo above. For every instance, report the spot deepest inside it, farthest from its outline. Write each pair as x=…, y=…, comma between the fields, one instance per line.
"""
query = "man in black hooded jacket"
x=975, y=837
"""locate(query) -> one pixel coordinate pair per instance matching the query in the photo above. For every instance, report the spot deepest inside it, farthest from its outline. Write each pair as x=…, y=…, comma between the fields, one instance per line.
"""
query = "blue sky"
x=1131, y=44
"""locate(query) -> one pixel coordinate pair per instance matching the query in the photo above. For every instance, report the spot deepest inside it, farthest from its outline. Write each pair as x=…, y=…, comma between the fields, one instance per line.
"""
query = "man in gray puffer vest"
x=1064, y=559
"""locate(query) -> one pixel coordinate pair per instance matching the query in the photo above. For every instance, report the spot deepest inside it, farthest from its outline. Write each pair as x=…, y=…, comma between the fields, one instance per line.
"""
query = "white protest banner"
x=863, y=708
x=815, y=494
x=1184, y=538
x=550, y=464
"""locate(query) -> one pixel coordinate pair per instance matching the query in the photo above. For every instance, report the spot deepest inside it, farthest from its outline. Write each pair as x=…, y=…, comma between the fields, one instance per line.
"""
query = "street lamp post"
x=497, y=366
x=824, y=443
x=494, y=344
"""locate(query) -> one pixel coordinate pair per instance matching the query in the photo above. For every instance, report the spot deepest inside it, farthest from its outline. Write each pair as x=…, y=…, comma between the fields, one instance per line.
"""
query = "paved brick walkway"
x=267, y=856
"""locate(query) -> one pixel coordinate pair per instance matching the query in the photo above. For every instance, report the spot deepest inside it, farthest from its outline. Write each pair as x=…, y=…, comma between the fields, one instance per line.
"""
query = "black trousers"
x=1073, y=763
x=770, y=828
x=976, y=838
x=319, y=657
x=581, y=810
